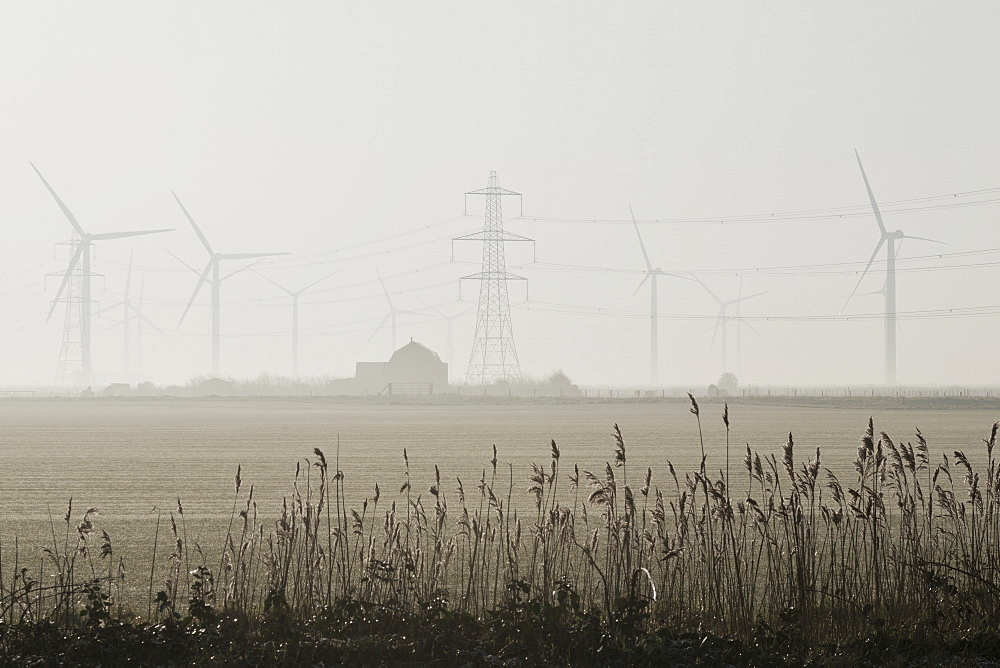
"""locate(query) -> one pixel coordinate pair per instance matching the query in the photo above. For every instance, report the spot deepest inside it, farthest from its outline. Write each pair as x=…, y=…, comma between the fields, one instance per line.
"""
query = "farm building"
x=413, y=369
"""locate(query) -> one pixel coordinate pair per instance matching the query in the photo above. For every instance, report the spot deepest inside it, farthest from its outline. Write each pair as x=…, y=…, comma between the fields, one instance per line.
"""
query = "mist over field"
x=347, y=136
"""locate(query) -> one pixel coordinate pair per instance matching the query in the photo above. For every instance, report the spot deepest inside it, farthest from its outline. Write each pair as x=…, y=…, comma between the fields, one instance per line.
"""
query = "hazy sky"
x=346, y=134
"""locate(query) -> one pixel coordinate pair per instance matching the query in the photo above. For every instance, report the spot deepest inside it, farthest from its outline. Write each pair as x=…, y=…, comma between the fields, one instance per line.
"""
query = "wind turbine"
x=450, y=320
x=295, y=315
x=216, y=281
x=722, y=321
x=650, y=276
x=82, y=255
x=390, y=316
x=739, y=330
x=128, y=310
x=138, y=333
x=891, y=248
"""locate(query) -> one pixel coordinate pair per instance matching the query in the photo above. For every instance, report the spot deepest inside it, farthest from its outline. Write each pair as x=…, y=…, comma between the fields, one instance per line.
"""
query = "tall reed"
x=904, y=543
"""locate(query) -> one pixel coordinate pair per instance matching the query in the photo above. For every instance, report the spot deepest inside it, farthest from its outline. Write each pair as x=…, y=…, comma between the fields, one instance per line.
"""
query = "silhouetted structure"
x=494, y=357
x=414, y=366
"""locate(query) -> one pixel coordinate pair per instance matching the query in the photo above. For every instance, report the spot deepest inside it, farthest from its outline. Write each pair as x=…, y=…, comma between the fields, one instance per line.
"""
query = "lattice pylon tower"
x=72, y=368
x=494, y=355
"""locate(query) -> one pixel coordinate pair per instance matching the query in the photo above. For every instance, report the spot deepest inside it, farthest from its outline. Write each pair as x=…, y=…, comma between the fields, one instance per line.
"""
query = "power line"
x=927, y=314
x=827, y=268
x=758, y=168
x=854, y=211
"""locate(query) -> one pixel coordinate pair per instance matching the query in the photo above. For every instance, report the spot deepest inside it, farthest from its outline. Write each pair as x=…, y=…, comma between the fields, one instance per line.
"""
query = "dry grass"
x=910, y=543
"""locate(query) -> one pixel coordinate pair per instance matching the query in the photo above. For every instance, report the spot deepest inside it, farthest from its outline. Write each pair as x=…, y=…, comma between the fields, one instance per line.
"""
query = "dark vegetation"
x=900, y=565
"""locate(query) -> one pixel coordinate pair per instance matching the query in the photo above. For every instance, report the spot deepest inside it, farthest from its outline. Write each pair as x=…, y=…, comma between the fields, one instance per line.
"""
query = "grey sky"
x=313, y=127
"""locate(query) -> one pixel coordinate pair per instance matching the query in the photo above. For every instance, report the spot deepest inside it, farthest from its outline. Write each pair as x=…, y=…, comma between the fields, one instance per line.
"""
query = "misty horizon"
x=730, y=135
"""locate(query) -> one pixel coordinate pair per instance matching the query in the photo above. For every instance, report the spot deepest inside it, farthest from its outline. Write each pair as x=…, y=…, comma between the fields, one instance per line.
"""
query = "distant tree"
x=729, y=383
x=560, y=382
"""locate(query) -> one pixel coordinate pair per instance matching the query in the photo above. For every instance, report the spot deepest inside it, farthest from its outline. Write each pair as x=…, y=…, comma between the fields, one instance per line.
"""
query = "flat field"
x=133, y=459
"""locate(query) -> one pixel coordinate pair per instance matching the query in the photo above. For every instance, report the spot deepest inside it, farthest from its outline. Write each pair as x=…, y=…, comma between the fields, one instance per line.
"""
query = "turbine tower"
x=130, y=310
x=138, y=332
x=295, y=315
x=722, y=321
x=78, y=276
x=450, y=320
x=390, y=316
x=494, y=357
x=889, y=325
x=739, y=330
x=650, y=275
x=213, y=267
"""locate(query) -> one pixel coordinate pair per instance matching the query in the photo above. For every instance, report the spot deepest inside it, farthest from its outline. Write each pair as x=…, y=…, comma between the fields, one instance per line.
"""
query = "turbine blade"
x=384, y=291
x=246, y=256
x=196, y=272
x=645, y=257
x=69, y=272
x=871, y=196
x=377, y=329
x=204, y=241
x=318, y=281
x=146, y=320
x=878, y=246
x=434, y=310
x=933, y=241
x=121, y=235
x=667, y=273
x=231, y=274
x=197, y=288
x=752, y=329
x=273, y=283
x=708, y=290
x=639, y=287
x=715, y=330
x=69, y=214
x=743, y=299
x=104, y=309
x=128, y=276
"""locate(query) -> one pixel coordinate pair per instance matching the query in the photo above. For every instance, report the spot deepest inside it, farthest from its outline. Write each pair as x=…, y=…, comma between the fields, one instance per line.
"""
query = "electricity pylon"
x=494, y=356
x=77, y=277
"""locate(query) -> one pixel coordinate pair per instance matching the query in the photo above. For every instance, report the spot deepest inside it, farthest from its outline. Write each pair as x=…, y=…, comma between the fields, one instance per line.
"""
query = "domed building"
x=413, y=369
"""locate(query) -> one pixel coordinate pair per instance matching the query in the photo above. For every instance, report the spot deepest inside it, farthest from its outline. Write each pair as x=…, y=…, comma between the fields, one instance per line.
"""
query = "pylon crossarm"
x=493, y=275
x=493, y=190
x=475, y=236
